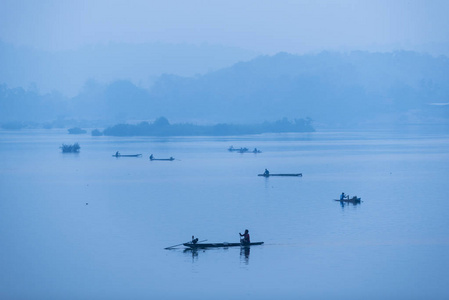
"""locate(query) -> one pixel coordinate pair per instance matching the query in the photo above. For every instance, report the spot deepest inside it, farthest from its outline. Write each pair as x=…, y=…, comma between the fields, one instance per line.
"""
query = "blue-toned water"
x=92, y=226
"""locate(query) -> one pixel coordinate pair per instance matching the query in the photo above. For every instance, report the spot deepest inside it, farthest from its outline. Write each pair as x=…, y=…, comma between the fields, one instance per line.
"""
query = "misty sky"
x=262, y=26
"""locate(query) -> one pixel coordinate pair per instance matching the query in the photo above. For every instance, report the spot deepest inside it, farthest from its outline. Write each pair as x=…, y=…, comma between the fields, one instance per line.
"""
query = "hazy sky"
x=263, y=26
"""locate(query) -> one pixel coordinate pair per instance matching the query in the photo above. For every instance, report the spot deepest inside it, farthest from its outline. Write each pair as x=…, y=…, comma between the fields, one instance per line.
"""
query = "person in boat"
x=194, y=240
x=151, y=156
x=342, y=196
x=266, y=173
x=245, y=239
x=117, y=153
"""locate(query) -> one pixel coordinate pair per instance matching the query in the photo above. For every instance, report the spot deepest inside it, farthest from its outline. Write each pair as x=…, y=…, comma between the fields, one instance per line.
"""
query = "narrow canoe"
x=352, y=200
x=166, y=159
x=241, y=150
x=220, y=245
x=247, y=151
x=127, y=155
x=268, y=175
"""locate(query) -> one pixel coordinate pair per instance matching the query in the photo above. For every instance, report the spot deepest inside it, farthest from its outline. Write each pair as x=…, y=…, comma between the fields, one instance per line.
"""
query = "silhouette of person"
x=194, y=240
x=245, y=239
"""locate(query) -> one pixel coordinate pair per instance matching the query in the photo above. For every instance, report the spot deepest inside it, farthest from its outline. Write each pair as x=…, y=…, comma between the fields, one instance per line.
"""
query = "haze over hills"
x=66, y=71
x=333, y=89
x=361, y=86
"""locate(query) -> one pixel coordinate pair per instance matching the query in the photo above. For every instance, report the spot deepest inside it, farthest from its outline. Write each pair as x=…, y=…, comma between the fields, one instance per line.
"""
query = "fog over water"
x=93, y=226
x=352, y=94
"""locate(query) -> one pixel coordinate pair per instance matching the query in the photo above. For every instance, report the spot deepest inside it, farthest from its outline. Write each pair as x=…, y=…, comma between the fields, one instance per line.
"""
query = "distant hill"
x=328, y=87
x=333, y=89
x=67, y=71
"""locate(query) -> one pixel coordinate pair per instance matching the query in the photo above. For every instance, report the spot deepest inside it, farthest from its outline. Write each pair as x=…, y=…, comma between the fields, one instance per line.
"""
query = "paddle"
x=168, y=248
x=171, y=247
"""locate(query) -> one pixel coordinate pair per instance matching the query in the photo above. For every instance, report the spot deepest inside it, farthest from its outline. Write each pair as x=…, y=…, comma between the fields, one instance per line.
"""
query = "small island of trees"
x=162, y=127
x=75, y=148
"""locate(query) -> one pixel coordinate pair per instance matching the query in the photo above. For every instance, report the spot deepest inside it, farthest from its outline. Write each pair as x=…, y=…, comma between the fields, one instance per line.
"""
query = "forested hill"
x=328, y=87
x=335, y=89
x=162, y=127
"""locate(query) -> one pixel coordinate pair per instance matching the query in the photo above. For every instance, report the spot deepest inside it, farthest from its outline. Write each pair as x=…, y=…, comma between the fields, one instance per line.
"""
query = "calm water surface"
x=92, y=226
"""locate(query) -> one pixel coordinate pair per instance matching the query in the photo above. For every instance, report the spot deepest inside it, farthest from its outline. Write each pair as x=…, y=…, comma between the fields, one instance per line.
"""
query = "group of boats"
x=195, y=244
x=243, y=150
x=118, y=154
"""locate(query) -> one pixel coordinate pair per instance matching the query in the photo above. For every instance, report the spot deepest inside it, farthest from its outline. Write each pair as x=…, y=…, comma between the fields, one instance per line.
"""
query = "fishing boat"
x=126, y=155
x=239, y=150
x=245, y=150
x=220, y=245
x=269, y=175
x=354, y=199
x=164, y=159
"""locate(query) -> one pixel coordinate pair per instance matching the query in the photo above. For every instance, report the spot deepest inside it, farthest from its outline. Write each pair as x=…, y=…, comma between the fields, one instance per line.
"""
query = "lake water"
x=92, y=226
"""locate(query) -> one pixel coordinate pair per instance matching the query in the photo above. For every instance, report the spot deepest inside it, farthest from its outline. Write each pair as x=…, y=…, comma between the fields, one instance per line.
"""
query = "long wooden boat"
x=255, y=151
x=163, y=159
x=269, y=175
x=240, y=150
x=127, y=155
x=350, y=200
x=220, y=245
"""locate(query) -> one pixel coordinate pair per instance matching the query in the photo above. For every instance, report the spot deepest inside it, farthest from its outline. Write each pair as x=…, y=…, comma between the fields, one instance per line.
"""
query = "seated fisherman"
x=245, y=239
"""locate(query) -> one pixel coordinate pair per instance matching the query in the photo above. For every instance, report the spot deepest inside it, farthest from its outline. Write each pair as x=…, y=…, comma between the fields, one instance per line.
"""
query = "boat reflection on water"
x=244, y=252
x=193, y=252
x=343, y=204
x=346, y=201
